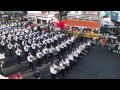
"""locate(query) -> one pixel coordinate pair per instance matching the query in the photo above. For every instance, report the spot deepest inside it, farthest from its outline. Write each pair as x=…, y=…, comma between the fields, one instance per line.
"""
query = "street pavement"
x=97, y=64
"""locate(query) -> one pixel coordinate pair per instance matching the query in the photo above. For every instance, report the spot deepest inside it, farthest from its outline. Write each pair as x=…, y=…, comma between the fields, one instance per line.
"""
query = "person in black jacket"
x=36, y=74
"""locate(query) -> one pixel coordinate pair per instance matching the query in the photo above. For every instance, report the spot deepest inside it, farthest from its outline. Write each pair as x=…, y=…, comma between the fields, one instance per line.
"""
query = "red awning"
x=83, y=23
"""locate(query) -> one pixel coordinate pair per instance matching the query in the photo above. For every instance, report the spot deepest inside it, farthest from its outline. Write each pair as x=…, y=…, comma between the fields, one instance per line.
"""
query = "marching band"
x=70, y=58
x=43, y=47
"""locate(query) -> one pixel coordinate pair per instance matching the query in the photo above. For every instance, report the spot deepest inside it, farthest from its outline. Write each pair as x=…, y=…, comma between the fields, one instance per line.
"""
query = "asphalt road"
x=97, y=64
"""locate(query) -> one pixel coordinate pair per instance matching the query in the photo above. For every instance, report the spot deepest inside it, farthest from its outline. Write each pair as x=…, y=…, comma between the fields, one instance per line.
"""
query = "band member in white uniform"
x=75, y=54
x=30, y=61
x=94, y=42
x=10, y=46
x=33, y=48
x=67, y=64
x=39, y=57
x=20, y=38
x=71, y=59
x=65, y=47
x=16, y=45
x=68, y=45
x=83, y=47
x=88, y=45
x=45, y=52
x=51, y=51
x=18, y=53
x=58, y=51
x=3, y=45
x=62, y=68
x=53, y=72
x=26, y=49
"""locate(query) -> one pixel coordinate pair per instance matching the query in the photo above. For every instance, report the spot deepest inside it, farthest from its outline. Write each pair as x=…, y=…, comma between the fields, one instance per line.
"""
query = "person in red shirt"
x=18, y=76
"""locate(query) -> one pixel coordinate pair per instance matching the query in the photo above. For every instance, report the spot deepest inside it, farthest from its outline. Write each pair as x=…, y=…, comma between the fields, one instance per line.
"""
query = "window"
x=44, y=21
x=38, y=20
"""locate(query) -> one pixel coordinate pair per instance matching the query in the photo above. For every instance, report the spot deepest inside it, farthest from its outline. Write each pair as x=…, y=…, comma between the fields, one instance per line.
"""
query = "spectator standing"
x=36, y=74
x=19, y=76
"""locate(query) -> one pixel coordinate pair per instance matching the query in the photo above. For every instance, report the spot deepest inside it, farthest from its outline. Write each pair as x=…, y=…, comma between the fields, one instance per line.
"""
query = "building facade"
x=39, y=16
x=85, y=15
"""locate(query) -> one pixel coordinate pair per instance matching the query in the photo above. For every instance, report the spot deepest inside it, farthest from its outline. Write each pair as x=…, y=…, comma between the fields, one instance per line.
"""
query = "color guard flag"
x=61, y=24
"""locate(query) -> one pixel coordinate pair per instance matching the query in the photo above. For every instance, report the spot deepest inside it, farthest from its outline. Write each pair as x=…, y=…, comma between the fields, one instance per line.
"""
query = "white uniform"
x=83, y=47
x=30, y=58
x=75, y=54
x=64, y=44
x=23, y=42
x=61, y=65
x=16, y=45
x=26, y=36
x=70, y=57
x=29, y=41
x=39, y=54
x=33, y=46
x=55, y=38
x=3, y=43
x=72, y=39
x=10, y=46
x=16, y=38
x=21, y=37
x=45, y=51
x=67, y=62
x=58, y=48
x=18, y=52
x=52, y=70
x=26, y=48
x=51, y=50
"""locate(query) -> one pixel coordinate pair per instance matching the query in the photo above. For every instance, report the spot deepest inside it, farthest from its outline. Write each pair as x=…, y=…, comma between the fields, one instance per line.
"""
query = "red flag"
x=61, y=24
x=58, y=24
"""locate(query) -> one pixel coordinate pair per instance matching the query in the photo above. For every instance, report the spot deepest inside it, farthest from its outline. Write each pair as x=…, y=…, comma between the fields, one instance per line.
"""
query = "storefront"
x=40, y=18
x=86, y=28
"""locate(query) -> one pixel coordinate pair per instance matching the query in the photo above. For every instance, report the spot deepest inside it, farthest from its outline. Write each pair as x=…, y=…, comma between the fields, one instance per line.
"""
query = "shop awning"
x=83, y=23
